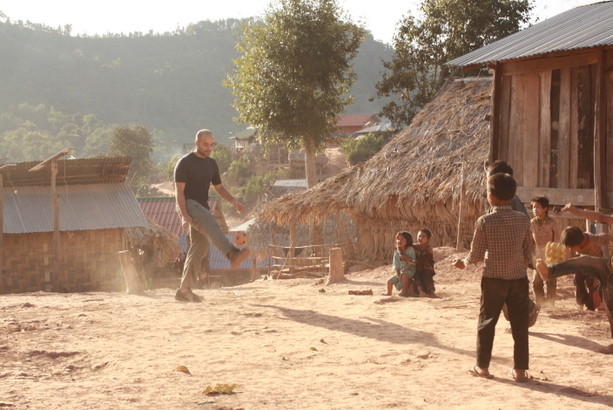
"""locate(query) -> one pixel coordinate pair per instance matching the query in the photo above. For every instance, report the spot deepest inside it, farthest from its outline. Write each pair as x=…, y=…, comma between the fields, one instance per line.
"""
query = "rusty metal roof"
x=163, y=212
x=578, y=28
x=71, y=172
x=28, y=209
x=356, y=120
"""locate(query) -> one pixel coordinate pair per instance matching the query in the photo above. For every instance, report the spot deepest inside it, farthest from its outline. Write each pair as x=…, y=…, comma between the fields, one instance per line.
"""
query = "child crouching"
x=404, y=264
x=424, y=269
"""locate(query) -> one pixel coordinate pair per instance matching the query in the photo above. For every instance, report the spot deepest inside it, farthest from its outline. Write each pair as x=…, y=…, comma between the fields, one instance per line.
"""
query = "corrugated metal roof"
x=356, y=120
x=245, y=134
x=582, y=27
x=291, y=183
x=28, y=209
x=71, y=172
x=163, y=212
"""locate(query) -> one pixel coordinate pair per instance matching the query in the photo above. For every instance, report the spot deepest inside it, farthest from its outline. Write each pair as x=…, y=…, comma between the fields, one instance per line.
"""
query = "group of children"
x=413, y=265
x=588, y=289
x=508, y=242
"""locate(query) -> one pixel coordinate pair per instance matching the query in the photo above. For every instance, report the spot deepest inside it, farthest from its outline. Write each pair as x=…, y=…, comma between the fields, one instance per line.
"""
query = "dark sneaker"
x=187, y=296
x=195, y=298
x=182, y=296
x=237, y=257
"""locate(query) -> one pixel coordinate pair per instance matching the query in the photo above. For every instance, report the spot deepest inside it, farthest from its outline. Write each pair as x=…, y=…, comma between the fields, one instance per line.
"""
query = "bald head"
x=204, y=143
x=203, y=133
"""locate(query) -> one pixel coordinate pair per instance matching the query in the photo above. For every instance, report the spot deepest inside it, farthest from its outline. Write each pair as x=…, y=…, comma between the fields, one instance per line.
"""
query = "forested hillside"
x=171, y=83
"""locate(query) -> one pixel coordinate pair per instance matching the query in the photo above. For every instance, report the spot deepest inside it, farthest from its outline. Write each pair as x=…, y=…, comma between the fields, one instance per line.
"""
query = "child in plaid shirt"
x=504, y=235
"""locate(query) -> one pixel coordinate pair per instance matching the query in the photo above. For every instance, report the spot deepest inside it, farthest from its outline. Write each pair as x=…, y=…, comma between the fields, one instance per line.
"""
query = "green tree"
x=360, y=150
x=134, y=142
x=223, y=156
x=449, y=29
x=294, y=74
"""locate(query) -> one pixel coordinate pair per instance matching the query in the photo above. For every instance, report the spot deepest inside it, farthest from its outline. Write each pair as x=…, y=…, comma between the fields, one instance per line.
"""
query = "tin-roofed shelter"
x=552, y=102
x=95, y=207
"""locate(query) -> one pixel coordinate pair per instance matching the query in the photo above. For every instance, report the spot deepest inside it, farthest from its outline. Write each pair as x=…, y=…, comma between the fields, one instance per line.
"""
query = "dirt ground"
x=294, y=344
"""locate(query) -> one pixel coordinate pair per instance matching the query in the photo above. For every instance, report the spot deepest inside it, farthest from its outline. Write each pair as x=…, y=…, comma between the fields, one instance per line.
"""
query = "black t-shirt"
x=198, y=175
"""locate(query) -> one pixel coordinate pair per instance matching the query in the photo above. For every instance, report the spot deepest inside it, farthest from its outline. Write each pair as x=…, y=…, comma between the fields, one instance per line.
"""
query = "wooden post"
x=337, y=266
x=600, y=135
x=56, y=228
x=3, y=168
x=292, y=244
x=458, y=243
x=496, y=113
x=600, y=148
x=1, y=232
x=134, y=284
x=52, y=161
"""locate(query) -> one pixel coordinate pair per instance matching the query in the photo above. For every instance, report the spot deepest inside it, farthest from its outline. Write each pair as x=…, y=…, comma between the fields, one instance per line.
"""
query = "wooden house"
x=244, y=139
x=552, y=105
x=95, y=208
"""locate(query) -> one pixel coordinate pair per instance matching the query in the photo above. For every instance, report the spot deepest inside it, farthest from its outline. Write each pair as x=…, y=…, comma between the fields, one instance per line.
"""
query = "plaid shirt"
x=502, y=239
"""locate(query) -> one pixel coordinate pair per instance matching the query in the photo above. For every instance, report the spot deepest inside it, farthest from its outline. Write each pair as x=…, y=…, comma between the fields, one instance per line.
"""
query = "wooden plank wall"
x=544, y=147
x=546, y=128
x=563, y=175
x=524, y=128
x=549, y=142
x=609, y=130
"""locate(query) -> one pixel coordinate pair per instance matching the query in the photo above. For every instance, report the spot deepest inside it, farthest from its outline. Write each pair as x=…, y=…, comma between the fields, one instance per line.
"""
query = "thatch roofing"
x=164, y=243
x=421, y=166
x=305, y=207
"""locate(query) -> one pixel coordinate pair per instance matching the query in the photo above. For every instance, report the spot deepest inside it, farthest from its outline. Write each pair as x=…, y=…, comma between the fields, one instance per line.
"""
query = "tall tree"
x=134, y=142
x=449, y=29
x=293, y=77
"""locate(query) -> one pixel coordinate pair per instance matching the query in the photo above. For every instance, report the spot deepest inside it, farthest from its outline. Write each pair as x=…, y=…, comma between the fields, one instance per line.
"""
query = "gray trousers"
x=203, y=231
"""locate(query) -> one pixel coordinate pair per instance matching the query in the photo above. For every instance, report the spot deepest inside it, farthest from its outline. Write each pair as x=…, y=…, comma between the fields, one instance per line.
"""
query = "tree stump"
x=134, y=284
x=337, y=266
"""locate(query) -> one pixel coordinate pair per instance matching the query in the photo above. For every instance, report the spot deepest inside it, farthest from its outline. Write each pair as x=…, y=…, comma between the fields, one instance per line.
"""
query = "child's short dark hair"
x=543, y=200
x=499, y=166
x=426, y=231
x=572, y=236
x=502, y=186
x=407, y=236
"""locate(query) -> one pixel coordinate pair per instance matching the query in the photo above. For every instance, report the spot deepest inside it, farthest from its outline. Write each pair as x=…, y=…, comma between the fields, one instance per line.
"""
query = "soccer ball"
x=240, y=238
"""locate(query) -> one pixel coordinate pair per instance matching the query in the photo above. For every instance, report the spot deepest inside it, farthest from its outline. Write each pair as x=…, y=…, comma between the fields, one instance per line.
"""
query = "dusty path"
x=293, y=344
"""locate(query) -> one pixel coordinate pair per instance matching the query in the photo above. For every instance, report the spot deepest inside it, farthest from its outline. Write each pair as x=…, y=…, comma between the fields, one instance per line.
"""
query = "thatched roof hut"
x=415, y=181
x=157, y=246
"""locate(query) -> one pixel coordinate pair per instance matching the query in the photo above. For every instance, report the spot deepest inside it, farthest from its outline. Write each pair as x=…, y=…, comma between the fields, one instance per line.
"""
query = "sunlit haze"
x=128, y=16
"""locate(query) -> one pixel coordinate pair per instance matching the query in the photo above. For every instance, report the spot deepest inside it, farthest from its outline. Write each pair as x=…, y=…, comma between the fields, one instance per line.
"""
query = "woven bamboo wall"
x=89, y=261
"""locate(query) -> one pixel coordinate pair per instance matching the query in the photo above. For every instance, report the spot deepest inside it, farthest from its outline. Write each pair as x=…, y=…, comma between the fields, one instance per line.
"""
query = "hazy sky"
x=126, y=16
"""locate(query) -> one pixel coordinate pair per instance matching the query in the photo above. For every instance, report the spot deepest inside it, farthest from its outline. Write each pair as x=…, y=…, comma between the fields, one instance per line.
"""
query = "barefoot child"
x=588, y=266
x=404, y=264
x=597, y=268
x=504, y=236
x=584, y=243
x=424, y=269
x=544, y=230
